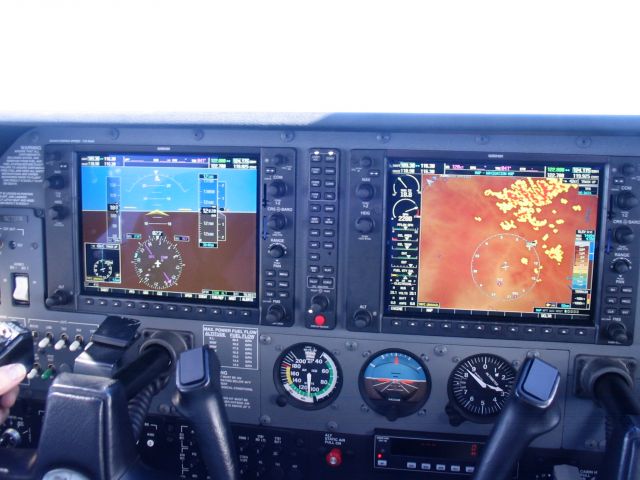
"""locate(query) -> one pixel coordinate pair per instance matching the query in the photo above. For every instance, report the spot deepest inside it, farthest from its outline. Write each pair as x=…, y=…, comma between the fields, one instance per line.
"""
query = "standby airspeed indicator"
x=307, y=376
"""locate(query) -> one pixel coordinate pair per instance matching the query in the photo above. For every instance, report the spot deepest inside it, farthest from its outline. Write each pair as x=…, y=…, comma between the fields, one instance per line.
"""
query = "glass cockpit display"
x=478, y=239
x=169, y=225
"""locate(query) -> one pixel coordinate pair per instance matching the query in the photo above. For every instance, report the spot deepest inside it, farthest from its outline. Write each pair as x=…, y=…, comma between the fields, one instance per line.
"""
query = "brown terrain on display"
x=230, y=267
x=499, y=244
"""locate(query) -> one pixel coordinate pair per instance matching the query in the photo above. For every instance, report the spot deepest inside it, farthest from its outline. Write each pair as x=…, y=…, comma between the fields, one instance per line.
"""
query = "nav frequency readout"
x=169, y=225
x=513, y=241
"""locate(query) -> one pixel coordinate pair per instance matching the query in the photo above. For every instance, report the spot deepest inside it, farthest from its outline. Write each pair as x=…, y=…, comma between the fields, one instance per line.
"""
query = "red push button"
x=334, y=457
x=319, y=320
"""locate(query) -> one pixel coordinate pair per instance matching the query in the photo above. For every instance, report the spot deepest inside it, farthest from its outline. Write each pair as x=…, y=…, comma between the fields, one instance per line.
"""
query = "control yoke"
x=610, y=383
x=199, y=399
x=530, y=412
x=93, y=418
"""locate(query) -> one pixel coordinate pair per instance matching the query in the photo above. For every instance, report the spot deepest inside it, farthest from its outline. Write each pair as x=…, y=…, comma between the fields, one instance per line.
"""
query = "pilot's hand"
x=10, y=378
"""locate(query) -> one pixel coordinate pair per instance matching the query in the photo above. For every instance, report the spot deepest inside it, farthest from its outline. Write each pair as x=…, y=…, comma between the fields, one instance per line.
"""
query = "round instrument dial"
x=308, y=376
x=395, y=383
x=158, y=263
x=480, y=385
x=103, y=268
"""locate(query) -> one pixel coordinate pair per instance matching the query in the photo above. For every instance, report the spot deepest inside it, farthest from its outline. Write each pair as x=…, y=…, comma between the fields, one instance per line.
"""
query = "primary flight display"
x=167, y=225
x=501, y=240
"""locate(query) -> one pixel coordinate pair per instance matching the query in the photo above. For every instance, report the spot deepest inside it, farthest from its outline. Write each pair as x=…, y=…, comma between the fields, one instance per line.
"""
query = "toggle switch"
x=20, y=294
x=76, y=344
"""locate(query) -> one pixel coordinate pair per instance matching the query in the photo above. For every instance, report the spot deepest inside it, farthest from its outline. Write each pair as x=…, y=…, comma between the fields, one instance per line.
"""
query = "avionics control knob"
x=365, y=162
x=59, y=297
x=617, y=332
x=277, y=251
x=57, y=212
x=629, y=169
x=55, y=182
x=627, y=201
x=365, y=191
x=319, y=303
x=364, y=225
x=278, y=159
x=362, y=319
x=624, y=235
x=277, y=188
x=275, y=314
x=277, y=221
x=621, y=265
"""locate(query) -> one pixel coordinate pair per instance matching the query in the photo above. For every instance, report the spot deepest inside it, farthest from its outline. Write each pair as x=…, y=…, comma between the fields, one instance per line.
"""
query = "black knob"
x=53, y=156
x=56, y=182
x=362, y=319
x=365, y=162
x=277, y=188
x=365, y=191
x=628, y=169
x=319, y=303
x=277, y=221
x=59, y=297
x=278, y=159
x=624, y=235
x=57, y=212
x=617, y=332
x=621, y=265
x=277, y=251
x=364, y=225
x=275, y=314
x=627, y=201
x=10, y=438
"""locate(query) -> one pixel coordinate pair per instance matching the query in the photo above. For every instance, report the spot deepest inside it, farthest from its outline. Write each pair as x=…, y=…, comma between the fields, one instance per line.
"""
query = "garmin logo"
x=495, y=155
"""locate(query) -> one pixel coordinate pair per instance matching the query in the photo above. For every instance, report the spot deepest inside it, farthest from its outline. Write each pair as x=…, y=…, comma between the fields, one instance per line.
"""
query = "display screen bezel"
x=498, y=158
x=253, y=153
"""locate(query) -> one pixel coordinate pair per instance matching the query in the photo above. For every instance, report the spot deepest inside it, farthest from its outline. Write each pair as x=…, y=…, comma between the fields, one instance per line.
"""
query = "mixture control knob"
x=621, y=265
x=624, y=235
x=57, y=212
x=277, y=188
x=277, y=251
x=277, y=221
x=55, y=182
x=617, y=332
x=319, y=303
x=275, y=314
x=364, y=225
x=365, y=191
x=362, y=319
x=59, y=297
x=628, y=169
x=627, y=201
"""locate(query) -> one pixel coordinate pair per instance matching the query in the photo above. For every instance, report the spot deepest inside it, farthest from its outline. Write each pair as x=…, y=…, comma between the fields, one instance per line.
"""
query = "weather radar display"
x=487, y=239
x=167, y=225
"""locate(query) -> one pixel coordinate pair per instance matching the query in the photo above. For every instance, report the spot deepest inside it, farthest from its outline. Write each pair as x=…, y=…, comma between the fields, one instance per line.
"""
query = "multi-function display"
x=491, y=240
x=169, y=225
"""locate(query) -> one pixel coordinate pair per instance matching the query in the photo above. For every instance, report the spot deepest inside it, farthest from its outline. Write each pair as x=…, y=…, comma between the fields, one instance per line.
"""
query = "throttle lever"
x=530, y=412
x=199, y=400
